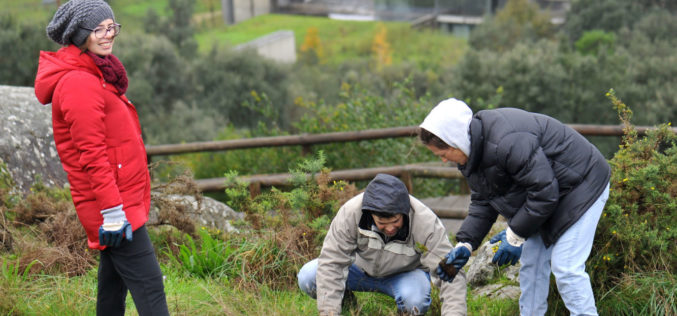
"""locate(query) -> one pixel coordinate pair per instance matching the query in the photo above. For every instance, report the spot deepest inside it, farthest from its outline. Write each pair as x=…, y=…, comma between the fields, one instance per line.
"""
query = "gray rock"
x=207, y=212
x=481, y=270
x=26, y=140
x=27, y=149
x=512, y=273
x=499, y=291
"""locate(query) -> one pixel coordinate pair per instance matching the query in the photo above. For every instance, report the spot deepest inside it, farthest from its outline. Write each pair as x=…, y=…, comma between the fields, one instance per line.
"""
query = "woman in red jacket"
x=98, y=138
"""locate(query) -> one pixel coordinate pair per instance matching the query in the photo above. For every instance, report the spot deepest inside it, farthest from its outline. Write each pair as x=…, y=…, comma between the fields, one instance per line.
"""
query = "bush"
x=20, y=46
x=289, y=227
x=636, y=232
x=311, y=196
x=357, y=109
x=208, y=258
x=519, y=21
x=593, y=41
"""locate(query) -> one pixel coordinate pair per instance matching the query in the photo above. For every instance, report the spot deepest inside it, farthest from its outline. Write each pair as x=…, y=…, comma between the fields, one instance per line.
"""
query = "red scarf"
x=113, y=71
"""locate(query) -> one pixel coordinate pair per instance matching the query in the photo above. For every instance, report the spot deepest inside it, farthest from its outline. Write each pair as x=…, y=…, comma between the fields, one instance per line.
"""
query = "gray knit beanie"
x=67, y=24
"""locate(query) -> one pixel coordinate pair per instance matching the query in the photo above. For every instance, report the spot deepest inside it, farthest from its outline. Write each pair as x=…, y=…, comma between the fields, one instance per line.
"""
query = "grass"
x=60, y=295
x=344, y=40
x=265, y=287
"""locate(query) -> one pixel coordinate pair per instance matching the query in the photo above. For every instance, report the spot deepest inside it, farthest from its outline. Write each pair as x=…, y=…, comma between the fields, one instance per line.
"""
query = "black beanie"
x=67, y=24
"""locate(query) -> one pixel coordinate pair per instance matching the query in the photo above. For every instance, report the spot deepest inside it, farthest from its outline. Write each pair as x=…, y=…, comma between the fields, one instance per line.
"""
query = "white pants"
x=566, y=259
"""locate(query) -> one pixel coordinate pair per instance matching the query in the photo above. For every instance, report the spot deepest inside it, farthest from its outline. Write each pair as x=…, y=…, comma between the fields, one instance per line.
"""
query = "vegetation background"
x=189, y=85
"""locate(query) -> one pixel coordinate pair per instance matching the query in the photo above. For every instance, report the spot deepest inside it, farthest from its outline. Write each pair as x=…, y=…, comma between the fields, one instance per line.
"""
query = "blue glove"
x=506, y=253
x=115, y=227
x=457, y=257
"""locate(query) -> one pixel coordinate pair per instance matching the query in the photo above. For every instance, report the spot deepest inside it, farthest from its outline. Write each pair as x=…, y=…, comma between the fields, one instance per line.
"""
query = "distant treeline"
x=517, y=58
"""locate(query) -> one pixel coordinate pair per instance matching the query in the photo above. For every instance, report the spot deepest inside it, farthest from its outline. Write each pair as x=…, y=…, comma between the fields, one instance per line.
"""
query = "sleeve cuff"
x=513, y=239
x=464, y=244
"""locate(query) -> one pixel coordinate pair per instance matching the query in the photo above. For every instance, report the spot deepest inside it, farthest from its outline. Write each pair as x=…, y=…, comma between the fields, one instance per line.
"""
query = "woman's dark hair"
x=428, y=138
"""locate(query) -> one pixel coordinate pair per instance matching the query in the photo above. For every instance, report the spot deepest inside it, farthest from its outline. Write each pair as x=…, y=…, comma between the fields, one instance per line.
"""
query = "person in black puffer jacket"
x=546, y=179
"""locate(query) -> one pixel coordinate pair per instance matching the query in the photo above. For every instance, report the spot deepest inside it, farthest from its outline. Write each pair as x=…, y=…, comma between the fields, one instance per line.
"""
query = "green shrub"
x=20, y=46
x=210, y=257
x=593, y=41
x=270, y=259
x=357, y=109
x=637, y=230
x=311, y=196
x=519, y=21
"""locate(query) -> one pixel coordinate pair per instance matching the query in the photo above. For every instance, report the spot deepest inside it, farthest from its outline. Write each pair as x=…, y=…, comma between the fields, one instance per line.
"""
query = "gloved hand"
x=506, y=252
x=457, y=257
x=115, y=227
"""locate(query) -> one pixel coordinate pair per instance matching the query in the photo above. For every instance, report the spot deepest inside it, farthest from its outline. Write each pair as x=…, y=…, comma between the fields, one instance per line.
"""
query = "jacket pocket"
x=113, y=158
x=131, y=166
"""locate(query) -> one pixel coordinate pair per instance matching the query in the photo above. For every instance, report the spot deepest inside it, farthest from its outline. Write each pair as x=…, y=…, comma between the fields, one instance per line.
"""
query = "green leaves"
x=636, y=232
x=210, y=257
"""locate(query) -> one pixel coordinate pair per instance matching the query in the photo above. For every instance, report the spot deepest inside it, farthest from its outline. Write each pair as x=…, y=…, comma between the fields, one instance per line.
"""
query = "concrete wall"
x=279, y=46
x=236, y=11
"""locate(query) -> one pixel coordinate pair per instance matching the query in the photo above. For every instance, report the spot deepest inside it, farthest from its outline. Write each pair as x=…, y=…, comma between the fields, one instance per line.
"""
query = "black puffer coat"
x=538, y=173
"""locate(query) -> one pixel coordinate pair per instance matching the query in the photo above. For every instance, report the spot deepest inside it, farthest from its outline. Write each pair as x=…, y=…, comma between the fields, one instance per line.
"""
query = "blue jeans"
x=566, y=259
x=411, y=290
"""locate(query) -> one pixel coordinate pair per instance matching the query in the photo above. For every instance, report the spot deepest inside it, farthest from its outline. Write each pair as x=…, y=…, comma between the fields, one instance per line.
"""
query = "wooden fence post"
x=306, y=150
x=406, y=178
x=254, y=189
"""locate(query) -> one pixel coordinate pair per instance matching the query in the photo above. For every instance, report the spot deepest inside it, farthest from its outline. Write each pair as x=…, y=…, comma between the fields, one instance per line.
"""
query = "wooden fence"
x=405, y=172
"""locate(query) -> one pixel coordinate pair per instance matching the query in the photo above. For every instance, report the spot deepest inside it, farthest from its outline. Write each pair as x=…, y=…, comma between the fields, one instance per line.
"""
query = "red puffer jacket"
x=98, y=138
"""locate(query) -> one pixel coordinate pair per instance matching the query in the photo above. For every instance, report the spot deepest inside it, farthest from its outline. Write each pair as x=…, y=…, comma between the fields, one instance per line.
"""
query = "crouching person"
x=385, y=240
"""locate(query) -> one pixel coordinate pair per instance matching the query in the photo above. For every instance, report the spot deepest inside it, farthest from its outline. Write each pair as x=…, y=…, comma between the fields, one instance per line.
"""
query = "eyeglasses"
x=101, y=32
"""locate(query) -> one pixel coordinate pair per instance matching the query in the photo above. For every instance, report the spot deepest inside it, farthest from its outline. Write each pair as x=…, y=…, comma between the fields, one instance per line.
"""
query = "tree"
x=380, y=47
x=610, y=15
x=20, y=46
x=227, y=81
x=518, y=21
x=180, y=30
x=312, y=52
x=177, y=27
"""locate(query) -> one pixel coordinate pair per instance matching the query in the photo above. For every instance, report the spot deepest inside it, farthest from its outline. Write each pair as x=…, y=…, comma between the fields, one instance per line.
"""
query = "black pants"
x=132, y=266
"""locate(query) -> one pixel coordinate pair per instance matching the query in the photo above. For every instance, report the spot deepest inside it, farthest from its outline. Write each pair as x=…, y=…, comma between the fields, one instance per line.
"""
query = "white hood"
x=450, y=121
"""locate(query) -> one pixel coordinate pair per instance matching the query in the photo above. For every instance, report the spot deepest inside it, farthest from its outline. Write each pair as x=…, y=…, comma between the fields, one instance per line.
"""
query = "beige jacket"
x=347, y=243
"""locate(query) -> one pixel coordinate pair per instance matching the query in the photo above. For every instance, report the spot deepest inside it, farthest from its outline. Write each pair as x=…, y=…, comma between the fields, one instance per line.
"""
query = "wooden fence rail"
x=338, y=137
x=404, y=172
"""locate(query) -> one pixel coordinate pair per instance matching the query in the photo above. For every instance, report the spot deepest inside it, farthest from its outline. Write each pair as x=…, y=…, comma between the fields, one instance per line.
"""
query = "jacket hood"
x=386, y=194
x=52, y=66
x=476, y=148
x=450, y=121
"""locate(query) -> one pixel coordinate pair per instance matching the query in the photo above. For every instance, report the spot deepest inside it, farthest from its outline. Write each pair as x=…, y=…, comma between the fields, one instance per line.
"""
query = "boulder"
x=27, y=149
x=481, y=269
x=205, y=212
x=26, y=141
